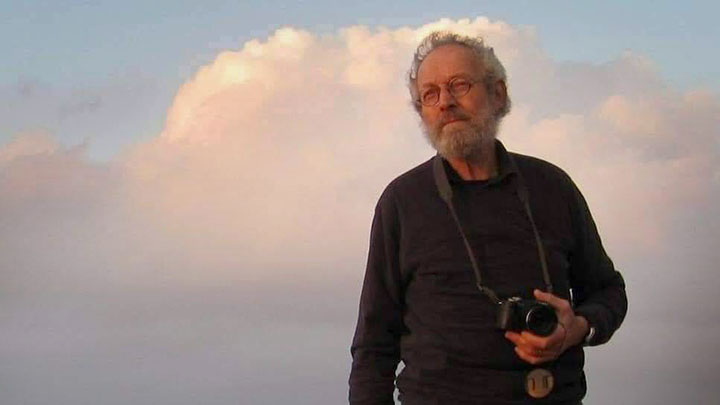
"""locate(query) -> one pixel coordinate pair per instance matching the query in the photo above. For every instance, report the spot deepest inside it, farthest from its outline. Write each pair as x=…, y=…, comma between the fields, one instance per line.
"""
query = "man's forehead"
x=447, y=61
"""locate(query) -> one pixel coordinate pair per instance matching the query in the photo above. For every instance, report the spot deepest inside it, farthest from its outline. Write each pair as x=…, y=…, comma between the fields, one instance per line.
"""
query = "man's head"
x=458, y=87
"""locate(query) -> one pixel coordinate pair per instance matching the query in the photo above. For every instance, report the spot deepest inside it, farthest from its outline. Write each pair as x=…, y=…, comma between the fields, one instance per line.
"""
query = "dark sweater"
x=419, y=301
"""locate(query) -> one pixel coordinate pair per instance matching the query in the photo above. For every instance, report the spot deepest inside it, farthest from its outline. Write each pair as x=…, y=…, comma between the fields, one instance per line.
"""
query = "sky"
x=187, y=188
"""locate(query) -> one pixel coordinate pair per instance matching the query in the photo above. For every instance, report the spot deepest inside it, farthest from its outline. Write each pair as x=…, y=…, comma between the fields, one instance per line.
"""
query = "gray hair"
x=494, y=70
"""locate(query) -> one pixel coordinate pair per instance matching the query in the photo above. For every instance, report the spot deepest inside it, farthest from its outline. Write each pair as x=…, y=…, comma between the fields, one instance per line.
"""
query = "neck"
x=482, y=170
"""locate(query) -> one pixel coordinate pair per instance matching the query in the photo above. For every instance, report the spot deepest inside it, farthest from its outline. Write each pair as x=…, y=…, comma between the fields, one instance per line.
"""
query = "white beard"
x=471, y=142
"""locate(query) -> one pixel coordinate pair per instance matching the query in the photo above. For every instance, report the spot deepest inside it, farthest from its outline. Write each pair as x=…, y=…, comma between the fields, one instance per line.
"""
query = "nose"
x=446, y=100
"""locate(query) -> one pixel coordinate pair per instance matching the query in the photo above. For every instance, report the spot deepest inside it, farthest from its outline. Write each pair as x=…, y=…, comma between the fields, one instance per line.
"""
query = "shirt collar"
x=505, y=168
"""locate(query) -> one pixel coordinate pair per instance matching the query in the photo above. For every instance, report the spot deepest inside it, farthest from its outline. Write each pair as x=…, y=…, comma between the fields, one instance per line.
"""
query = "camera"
x=517, y=314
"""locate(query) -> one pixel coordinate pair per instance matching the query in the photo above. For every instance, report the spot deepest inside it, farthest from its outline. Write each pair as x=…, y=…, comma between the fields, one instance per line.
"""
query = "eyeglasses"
x=457, y=87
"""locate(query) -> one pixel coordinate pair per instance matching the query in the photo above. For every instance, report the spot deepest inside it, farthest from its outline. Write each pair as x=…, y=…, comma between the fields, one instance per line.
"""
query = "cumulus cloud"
x=243, y=225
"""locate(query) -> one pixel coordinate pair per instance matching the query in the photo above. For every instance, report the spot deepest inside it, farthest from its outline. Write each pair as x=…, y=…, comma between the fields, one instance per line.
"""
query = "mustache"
x=452, y=116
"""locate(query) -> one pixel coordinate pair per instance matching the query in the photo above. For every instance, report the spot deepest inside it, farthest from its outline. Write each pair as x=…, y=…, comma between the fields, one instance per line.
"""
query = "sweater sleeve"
x=598, y=287
x=376, y=345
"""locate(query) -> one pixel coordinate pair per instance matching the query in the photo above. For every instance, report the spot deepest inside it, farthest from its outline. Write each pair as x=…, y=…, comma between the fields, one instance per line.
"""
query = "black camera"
x=517, y=314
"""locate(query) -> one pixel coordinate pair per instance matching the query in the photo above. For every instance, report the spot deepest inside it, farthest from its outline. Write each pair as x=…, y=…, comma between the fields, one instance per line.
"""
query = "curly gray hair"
x=494, y=70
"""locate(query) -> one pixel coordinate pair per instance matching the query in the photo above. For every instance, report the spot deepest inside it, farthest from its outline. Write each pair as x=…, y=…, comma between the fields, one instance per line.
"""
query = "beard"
x=470, y=140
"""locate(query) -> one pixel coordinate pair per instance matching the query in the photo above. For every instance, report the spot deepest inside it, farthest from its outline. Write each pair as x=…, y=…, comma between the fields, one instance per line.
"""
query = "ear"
x=500, y=96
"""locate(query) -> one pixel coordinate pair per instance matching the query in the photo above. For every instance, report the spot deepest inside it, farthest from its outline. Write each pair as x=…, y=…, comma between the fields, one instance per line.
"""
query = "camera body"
x=518, y=314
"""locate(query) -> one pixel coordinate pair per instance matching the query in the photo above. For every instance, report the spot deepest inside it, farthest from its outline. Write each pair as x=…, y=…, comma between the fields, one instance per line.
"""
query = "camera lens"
x=541, y=320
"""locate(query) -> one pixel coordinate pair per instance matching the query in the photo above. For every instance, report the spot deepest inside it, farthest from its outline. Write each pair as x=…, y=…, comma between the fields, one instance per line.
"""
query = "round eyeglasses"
x=457, y=88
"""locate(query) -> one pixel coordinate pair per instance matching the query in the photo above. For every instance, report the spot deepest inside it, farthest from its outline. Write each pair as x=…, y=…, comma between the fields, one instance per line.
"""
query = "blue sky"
x=138, y=53
x=85, y=41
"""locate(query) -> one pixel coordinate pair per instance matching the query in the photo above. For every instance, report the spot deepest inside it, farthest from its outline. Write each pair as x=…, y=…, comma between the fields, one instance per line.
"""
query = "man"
x=441, y=263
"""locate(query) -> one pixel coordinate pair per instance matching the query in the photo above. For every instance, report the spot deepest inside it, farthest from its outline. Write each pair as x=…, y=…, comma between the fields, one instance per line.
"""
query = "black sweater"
x=419, y=301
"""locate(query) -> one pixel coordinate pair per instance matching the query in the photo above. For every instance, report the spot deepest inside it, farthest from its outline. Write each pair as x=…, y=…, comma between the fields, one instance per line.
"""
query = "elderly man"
x=486, y=275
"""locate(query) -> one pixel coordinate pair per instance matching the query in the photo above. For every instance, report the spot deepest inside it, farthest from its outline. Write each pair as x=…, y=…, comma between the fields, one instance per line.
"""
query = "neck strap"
x=446, y=193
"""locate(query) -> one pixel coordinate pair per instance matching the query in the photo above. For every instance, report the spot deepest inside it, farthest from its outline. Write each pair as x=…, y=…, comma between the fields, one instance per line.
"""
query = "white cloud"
x=249, y=214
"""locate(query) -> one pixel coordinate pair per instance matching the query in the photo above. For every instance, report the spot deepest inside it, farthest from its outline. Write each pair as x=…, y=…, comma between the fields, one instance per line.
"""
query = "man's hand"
x=570, y=331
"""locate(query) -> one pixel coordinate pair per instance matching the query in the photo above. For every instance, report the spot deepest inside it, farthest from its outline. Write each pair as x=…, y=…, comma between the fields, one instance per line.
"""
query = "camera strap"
x=446, y=193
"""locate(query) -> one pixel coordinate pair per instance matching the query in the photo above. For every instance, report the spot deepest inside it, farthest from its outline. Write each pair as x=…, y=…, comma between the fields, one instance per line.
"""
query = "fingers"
x=554, y=301
x=551, y=342
x=529, y=352
x=534, y=349
x=533, y=358
x=563, y=310
x=516, y=338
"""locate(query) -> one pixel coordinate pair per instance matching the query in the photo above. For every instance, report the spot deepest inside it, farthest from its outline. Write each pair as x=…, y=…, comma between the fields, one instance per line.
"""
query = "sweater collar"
x=505, y=168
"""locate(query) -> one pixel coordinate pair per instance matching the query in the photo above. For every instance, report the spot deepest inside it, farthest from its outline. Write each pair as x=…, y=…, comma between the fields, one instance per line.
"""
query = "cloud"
x=232, y=245
x=84, y=113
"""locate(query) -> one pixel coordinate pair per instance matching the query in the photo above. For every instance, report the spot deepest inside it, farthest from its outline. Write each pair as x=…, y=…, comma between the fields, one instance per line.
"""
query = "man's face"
x=462, y=127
